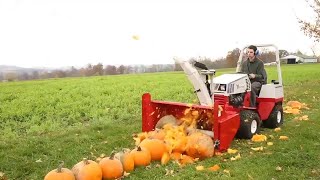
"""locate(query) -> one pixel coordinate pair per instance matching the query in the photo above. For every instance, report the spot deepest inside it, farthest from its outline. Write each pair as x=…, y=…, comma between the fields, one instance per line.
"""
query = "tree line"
x=89, y=70
x=230, y=61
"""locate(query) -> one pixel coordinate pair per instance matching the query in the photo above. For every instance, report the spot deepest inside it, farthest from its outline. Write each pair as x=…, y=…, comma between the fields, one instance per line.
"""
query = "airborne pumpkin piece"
x=87, y=170
x=60, y=174
x=141, y=156
x=177, y=142
x=111, y=167
x=156, y=148
x=175, y=138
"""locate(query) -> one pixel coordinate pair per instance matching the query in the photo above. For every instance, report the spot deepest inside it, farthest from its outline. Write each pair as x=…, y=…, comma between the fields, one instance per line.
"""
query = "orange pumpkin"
x=156, y=148
x=126, y=159
x=200, y=146
x=87, y=170
x=141, y=156
x=111, y=167
x=60, y=173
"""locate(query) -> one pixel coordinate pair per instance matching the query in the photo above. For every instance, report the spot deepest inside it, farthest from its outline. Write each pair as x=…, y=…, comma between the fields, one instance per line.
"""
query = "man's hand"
x=252, y=76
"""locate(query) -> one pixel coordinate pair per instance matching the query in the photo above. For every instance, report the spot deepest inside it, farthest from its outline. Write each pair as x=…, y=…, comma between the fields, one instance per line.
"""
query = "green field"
x=45, y=121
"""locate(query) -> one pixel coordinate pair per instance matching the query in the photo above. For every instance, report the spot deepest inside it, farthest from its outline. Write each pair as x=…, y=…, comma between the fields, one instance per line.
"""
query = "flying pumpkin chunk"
x=135, y=37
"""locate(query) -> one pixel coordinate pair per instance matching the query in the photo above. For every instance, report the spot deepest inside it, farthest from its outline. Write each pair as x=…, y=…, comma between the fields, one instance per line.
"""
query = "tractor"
x=227, y=99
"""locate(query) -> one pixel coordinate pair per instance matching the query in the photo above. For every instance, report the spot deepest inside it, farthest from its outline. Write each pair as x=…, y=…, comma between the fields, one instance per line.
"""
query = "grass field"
x=45, y=121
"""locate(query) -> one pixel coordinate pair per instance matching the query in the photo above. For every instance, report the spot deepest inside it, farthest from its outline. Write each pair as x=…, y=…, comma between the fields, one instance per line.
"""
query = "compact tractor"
x=227, y=98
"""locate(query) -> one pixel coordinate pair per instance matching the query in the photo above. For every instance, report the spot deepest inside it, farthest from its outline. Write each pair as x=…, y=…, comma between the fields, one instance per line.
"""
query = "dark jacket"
x=256, y=67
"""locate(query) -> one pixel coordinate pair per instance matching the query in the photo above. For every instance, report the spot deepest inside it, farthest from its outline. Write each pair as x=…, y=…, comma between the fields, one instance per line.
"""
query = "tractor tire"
x=249, y=124
x=275, y=118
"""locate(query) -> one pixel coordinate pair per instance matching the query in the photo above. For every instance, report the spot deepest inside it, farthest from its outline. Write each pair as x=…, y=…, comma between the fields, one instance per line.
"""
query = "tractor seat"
x=265, y=80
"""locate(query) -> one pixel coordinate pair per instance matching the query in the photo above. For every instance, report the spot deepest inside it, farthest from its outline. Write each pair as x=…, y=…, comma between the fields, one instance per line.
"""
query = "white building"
x=293, y=59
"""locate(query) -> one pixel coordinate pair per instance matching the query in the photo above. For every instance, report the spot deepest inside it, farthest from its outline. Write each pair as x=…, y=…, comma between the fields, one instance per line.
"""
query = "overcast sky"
x=55, y=33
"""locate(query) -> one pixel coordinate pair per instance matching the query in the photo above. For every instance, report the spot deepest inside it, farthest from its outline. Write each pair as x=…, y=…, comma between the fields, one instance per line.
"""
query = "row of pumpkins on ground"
x=181, y=143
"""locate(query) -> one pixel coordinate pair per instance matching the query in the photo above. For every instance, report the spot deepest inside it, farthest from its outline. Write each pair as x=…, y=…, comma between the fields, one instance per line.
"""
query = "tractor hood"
x=227, y=84
x=228, y=78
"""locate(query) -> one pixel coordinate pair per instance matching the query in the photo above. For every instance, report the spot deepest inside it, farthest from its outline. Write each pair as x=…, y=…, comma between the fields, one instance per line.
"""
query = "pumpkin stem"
x=85, y=161
x=139, y=148
x=59, y=169
x=112, y=155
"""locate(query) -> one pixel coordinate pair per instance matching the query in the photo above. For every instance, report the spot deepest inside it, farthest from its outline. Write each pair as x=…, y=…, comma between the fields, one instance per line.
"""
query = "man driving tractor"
x=254, y=67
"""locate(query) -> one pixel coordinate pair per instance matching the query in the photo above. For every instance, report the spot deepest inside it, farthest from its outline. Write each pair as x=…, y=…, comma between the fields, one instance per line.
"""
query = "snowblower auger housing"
x=224, y=124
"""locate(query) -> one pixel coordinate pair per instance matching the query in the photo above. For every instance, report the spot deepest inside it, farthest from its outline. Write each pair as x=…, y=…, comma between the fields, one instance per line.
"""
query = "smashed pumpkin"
x=258, y=138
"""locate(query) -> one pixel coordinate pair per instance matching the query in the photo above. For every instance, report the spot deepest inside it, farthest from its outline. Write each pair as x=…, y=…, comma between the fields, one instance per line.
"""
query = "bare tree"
x=35, y=75
x=121, y=69
x=283, y=53
x=73, y=72
x=23, y=76
x=232, y=57
x=59, y=74
x=128, y=70
x=89, y=70
x=110, y=70
x=98, y=69
x=312, y=29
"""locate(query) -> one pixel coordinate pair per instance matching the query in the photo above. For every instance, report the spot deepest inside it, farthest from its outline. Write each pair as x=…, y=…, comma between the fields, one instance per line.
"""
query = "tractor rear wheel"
x=275, y=118
x=249, y=124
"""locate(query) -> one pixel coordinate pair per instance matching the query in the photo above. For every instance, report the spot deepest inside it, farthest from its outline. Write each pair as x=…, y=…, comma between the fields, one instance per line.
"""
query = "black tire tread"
x=246, y=117
x=271, y=122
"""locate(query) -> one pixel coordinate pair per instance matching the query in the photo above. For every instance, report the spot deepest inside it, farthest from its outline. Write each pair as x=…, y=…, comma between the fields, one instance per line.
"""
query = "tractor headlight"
x=222, y=87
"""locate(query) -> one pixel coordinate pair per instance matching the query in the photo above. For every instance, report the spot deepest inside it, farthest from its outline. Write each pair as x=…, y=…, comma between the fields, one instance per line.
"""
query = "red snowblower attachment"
x=216, y=121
